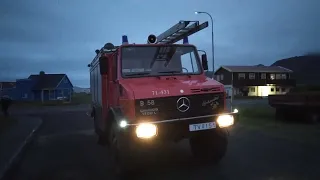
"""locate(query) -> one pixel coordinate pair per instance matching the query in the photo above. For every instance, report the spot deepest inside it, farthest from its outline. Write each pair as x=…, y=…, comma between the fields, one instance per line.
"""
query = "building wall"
x=64, y=89
x=267, y=90
x=223, y=76
x=23, y=90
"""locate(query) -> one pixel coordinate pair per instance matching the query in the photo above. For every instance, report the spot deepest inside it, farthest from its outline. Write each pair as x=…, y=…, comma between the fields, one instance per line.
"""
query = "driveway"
x=246, y=102
x=66, y=148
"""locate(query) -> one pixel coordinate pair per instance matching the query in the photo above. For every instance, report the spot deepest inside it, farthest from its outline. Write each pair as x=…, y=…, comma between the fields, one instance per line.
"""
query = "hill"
x=305, y=68
x=81, y=90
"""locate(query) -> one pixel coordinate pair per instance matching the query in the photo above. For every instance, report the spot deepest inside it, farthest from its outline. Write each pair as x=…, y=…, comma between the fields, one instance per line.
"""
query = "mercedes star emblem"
x=183, y=104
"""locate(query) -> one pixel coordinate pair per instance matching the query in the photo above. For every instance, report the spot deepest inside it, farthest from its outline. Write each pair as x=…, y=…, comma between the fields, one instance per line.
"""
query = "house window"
x=252, y=76
x=278, y=76
x=218, y=77
x=277, y=89
x=272, y=89
x=25, y=95
x=252, y=89
x=65, y=80
x=283, y=76
x=221, y=77
x=272, y=76
x=263, y=76
x=241, y=76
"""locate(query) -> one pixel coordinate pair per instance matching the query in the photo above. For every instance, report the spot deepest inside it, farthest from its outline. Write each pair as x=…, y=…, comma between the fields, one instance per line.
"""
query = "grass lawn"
x=5, y=123
x=262, y=119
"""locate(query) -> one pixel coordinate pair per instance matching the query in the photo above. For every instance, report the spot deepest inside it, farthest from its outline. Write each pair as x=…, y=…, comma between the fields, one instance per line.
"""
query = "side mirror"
x=103, y=62
x=204, y=62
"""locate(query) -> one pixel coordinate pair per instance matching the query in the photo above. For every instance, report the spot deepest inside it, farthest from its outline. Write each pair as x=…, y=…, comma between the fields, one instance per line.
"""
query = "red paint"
x=121, y=92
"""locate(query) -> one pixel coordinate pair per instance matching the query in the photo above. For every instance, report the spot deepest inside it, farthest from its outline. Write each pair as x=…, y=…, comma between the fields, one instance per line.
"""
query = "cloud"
x=60, y=36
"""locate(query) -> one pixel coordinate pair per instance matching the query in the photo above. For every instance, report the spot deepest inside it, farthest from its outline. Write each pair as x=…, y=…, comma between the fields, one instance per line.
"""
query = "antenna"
x=180, y=31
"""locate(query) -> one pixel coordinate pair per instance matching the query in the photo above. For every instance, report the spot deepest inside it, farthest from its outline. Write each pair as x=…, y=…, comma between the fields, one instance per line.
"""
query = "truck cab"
x=146, y=94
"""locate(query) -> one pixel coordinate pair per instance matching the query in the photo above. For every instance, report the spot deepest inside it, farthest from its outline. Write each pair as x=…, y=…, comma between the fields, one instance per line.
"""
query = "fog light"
x=225, y=120
x=146, y=130
x=123, y=123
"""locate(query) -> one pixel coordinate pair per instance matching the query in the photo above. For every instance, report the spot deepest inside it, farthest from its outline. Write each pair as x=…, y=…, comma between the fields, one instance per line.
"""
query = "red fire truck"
x=146, y=94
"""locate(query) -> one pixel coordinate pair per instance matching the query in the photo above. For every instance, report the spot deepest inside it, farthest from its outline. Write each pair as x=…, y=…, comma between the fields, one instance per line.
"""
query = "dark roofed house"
x=255, y=80
x=44, y=87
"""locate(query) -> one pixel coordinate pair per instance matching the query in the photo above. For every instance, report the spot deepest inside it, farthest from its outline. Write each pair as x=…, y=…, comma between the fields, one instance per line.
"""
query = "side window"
x=283, y=76
x=114, y=67
x=189, y=63
x=96, y=71
x=252, y=76
x=263, y=75
x=241, y=76
x=99, y=98
x=272, y=76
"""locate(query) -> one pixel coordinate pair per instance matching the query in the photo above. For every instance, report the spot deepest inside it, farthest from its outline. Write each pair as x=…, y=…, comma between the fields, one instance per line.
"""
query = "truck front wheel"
x=210, y=146
x=118, y=155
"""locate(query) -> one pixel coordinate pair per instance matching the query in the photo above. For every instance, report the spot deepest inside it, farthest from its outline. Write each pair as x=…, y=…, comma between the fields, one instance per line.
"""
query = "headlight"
x=225, y=120
x=146, y=130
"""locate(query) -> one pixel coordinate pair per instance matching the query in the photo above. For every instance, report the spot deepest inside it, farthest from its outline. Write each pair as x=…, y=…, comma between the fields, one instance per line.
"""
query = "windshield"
x=159, y=60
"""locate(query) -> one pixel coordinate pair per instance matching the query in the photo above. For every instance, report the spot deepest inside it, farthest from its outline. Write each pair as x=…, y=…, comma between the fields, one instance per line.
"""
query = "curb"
x=16, y=158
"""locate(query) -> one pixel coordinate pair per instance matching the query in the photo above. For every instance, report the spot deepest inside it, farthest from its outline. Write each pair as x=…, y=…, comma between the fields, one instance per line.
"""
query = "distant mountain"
x=81, y=90
x=306, y=68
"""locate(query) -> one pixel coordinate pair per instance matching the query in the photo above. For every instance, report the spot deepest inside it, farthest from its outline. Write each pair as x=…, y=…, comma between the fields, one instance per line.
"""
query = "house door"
x=51, y=95
x=264, y=90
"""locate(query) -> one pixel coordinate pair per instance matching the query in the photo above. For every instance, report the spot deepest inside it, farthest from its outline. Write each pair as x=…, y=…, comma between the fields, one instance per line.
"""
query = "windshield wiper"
x=137, y=74
x=171, y=72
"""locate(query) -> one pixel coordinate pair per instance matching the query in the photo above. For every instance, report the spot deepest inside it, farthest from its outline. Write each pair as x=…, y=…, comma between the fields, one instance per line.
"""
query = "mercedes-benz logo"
x=183, y=104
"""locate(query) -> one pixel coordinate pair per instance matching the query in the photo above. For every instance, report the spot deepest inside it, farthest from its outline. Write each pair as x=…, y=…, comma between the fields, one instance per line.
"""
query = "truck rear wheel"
x=209, y=147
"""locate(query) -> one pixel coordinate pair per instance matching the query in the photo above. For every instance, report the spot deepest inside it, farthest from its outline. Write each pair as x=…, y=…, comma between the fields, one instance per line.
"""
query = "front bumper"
x=173, y=129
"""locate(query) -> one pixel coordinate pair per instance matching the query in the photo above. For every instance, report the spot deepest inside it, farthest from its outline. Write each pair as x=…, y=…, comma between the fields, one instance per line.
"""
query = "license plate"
x=202, y=126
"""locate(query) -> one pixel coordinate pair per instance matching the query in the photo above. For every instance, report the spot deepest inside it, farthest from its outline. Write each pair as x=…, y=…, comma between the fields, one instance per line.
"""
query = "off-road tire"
x=119, y=162
x=209, y=147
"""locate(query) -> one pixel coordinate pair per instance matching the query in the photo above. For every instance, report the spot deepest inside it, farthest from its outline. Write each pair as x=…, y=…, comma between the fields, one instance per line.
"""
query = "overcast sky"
x=60, y=36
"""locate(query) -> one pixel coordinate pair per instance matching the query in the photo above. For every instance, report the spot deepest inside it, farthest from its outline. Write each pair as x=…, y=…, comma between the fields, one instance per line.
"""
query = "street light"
x=212, y=42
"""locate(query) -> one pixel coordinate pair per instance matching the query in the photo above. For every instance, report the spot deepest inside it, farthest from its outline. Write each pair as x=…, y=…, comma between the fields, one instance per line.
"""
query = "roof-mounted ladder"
x=179, y=31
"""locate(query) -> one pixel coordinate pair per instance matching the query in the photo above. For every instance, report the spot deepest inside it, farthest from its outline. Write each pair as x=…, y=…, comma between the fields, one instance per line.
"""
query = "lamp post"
x=212, y=41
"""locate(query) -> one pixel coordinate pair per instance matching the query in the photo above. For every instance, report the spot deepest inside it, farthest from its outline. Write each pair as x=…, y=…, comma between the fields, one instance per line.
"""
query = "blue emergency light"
x=185, y=40
x=125, y=39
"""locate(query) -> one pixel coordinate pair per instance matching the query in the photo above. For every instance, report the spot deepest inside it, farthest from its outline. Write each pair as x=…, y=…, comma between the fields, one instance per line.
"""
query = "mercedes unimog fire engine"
x=147, y=94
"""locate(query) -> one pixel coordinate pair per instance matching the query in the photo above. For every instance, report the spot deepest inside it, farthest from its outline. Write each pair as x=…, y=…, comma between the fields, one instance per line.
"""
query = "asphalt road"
x=66, y=149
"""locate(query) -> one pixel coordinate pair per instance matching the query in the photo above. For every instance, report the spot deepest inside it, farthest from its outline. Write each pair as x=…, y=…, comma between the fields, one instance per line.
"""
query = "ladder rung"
x=176, y=31
x=173, y=29
x=180, y=35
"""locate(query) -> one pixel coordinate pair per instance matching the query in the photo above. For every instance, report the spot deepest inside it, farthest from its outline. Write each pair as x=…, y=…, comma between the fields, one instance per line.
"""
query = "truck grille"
x=166, y=108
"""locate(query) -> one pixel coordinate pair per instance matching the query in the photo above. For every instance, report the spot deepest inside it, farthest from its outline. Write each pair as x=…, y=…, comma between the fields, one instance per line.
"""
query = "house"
x=43, y=87
x=7, y=88
x=255, y=80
